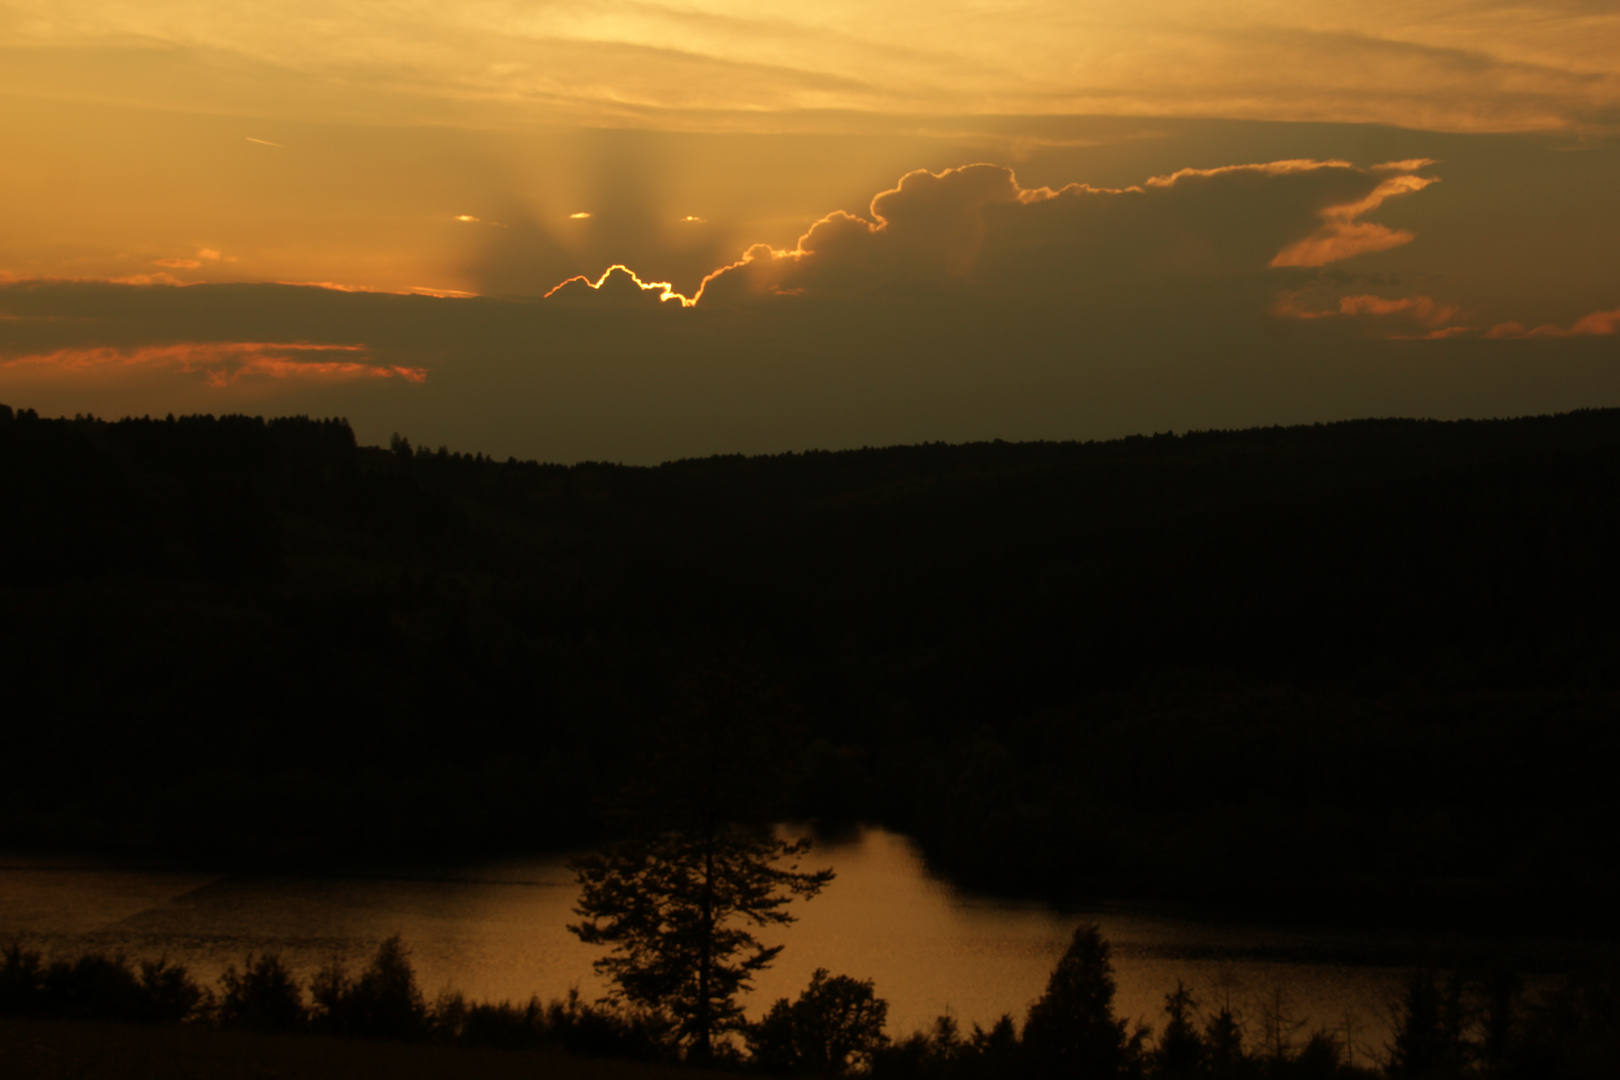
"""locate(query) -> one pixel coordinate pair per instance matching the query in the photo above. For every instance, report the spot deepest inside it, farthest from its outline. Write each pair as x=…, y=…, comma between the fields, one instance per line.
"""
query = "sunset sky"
x=872, y=223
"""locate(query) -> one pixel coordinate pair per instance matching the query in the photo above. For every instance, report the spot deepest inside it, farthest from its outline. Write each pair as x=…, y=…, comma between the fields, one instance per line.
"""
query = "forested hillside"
x=1370, y=661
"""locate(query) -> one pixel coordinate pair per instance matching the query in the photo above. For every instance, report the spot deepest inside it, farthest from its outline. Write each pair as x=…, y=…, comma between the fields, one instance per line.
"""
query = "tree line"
x=1448, y=1026
x=1068, y=669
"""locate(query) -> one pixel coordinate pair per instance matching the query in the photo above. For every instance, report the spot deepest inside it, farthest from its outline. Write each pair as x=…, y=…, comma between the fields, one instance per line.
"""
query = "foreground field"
x=50, y=1049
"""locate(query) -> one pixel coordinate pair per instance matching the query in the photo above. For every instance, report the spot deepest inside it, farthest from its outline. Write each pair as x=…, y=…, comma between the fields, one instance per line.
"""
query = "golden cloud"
x=1342, y=236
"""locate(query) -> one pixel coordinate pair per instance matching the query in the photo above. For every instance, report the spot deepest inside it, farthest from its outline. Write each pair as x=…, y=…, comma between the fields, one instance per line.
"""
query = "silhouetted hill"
x=1375, y=661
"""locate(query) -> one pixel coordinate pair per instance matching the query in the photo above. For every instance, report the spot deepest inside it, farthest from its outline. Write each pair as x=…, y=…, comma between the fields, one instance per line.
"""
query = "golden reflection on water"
x=498, y=931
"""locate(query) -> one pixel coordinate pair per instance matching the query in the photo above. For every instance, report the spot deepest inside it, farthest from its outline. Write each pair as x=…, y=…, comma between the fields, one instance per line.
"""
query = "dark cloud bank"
x=962, y=307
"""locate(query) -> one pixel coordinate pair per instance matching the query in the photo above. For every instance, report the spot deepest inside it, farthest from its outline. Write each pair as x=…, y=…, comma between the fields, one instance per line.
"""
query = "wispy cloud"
x=220, y=363
x=1343, y=236
x=1400, y=318
x=1424, y=318
x=1597, y=324
x=1454, y=64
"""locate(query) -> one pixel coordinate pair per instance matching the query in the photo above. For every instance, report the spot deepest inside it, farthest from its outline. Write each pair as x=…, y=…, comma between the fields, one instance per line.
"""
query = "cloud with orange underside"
x=1399, y=318
x=1597, y=324
x=220, y=363
x=1343, y=236
x=1424, y=318
x=1424, y=310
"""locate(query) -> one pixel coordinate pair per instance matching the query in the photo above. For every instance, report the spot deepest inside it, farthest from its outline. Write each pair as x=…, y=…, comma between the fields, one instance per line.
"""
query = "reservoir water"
x=498, y=931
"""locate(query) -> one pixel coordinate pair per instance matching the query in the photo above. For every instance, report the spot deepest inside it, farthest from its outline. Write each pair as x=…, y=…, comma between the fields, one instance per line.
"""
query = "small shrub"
x=329, y=991
x=447, y=1017
x=264, y=996
x=601, y=1031
x=1182, y=1049
x=506, y=1026
x=169, y=995
x=1321, y=1058
x=931, y=1053
x=1225, y=1054
x=383, y=1003
x=93, y=987
x=22, y=981
x=835, y=1026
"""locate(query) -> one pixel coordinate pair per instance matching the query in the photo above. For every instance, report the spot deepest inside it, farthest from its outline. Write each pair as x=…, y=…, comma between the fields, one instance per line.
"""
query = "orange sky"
x=1188, y=215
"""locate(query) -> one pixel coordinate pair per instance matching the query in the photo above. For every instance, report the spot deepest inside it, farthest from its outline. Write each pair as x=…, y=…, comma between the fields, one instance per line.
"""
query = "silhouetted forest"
x=1446, y=1024
x=1370, y=665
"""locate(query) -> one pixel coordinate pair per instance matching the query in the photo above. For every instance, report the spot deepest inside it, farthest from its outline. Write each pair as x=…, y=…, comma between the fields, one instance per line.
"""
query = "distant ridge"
x=1390, y=647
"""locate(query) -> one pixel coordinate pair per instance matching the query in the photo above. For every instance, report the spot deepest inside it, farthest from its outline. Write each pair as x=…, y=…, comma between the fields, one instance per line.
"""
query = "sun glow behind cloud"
x=957, y=304
x=722, y=154
x=663, y=290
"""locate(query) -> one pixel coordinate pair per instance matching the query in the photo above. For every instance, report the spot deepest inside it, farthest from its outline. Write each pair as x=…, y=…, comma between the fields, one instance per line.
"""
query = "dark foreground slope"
x=48, y=1049
x=1370, y=663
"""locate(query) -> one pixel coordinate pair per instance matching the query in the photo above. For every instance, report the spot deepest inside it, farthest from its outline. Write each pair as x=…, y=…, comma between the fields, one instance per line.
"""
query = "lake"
x=498, y=931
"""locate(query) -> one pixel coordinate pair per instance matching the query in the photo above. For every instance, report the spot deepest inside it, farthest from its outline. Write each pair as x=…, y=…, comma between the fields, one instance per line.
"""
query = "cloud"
x=1454, y=64
x=1342, y=236
x=926, y=231
x=1400, y=318
x=650, y=381
x=203, y=255
x=1597, y=324
x=160, y=278
x=1424, y=318
x=977, y=226
x=1422, y=308
x=620, y=210
x=960, y=305
x=1407, y=165
x=381, y=328
x=429, y=290
x=218, y=363
x=618, y=286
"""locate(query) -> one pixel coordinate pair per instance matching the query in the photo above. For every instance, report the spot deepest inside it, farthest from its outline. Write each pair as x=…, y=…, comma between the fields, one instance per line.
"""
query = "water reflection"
x=499, y=931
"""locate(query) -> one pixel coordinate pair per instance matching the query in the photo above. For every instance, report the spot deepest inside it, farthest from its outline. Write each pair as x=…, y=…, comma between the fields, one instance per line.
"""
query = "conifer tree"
x=1072, y=1030
x=678, y=902
x=1181, y=1050
x=679, y=911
